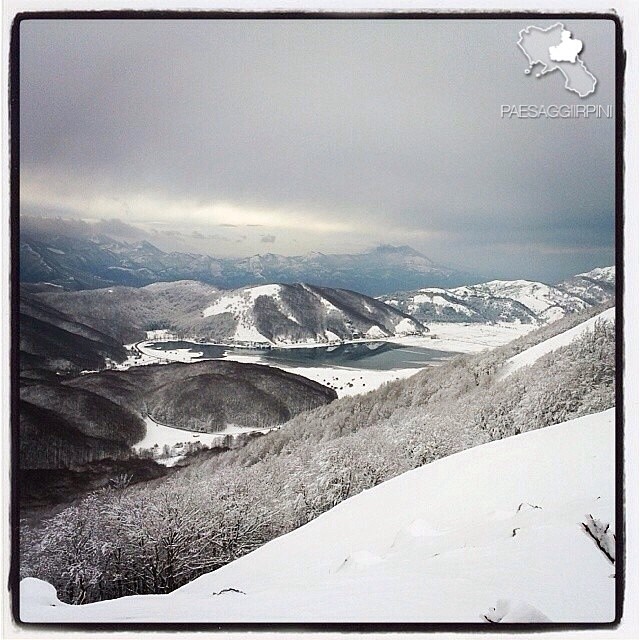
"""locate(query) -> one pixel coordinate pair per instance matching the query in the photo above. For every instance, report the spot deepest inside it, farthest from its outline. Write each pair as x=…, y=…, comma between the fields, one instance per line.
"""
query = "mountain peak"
x=405, y=250
x=604, y=274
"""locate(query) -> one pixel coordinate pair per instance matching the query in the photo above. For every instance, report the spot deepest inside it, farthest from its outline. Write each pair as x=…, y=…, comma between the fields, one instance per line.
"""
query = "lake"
x=376, y=356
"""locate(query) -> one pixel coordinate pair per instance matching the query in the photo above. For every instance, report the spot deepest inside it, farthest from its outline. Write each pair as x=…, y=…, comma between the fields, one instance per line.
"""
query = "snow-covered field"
x=529, y=356
x=467, y=338
x=159, y=436
x=492, y=531
x=134, y=359
x=346, y=381
x=170, y=355
x=140, y=354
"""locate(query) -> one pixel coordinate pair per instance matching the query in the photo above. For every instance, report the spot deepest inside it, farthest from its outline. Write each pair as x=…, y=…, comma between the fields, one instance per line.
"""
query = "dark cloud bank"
x=329, y=135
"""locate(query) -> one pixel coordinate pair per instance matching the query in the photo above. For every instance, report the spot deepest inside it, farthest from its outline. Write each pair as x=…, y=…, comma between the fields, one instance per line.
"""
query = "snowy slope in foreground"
x=532, y=354
x=444, y=542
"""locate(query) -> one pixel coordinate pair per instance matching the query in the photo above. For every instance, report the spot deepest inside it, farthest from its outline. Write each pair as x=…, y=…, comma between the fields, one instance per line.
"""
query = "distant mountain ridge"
x=90, y=262
x=524, y=301
x=76, y=263
x=274, y=314
x=367, y=272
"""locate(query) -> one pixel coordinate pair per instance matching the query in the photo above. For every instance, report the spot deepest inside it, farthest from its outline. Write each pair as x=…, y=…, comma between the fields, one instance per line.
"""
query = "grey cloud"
x=269, y=239
x=392, y=125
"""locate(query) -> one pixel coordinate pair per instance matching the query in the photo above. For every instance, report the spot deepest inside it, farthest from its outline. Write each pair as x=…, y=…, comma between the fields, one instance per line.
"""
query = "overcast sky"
x=333, y=136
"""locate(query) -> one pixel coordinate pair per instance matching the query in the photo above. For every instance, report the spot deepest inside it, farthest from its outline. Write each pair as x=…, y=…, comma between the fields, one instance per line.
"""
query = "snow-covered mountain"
x=361, y=271
x=522, y=301
x=595, y=287
x=448, y=305
x=281, y=314
x=80, y=256
x=451, y=541
x=545, y=302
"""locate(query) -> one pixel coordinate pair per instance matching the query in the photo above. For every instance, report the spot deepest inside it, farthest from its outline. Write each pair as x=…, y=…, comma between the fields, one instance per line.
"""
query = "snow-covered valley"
x=494, y=527
x=468, y=337
x=168, y=445
x=488, y=315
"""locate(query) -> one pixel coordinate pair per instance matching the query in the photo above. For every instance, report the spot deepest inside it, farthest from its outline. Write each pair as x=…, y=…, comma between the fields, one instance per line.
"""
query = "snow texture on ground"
x=492, y=531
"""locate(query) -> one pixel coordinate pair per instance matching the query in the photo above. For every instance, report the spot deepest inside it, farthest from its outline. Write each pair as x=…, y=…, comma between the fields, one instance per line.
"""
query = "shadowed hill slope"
x=69, y=422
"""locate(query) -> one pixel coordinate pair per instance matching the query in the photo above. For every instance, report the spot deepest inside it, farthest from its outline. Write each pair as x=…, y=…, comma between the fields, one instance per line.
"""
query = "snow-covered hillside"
x=508, y=301
x=240, y=304
x=595, y=286
x=282, y=314
x=601, y=274
x=529, y=356
x=492, y=531
x=546, y=303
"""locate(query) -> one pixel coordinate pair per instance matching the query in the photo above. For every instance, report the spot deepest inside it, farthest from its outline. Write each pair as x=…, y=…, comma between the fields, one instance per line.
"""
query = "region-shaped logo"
x=556, y=50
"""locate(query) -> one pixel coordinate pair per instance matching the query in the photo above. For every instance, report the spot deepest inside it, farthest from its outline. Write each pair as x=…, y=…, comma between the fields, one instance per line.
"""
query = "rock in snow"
x=442, y=543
